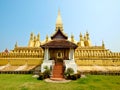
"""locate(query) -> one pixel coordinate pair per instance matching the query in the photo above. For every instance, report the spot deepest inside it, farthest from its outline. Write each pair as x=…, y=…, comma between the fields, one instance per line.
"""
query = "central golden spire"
x=59, y=19
x=59, y=24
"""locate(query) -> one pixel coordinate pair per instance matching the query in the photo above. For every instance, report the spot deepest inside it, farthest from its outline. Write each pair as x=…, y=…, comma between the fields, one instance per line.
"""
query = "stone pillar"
x=71, y=54
x=46, y=54
x=49, y=55
x=46, y=61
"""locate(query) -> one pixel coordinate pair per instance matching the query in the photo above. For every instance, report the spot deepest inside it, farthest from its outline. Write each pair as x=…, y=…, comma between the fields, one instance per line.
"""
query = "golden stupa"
x=86, y=56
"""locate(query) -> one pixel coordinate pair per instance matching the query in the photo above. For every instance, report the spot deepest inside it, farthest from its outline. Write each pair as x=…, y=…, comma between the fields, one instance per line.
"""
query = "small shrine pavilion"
x=59, y=52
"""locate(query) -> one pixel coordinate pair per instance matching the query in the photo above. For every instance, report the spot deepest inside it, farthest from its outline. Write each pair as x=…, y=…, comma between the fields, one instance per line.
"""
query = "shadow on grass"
x=24, y=88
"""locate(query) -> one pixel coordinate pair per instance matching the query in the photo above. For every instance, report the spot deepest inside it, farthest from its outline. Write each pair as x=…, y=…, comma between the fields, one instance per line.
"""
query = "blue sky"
x=18, y=18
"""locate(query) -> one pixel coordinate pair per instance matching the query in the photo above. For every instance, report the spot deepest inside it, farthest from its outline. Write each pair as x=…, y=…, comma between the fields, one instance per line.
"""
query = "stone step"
x=57, y=77
x=58, y=73
x=58, y=70
x=58, y=66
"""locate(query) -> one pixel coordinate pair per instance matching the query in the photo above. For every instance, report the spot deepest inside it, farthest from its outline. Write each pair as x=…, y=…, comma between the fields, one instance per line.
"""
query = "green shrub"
x=46, y=67
x=46, y=73
x=73, y=77
x=41, y=76
x=78, y=75
x=68, y=73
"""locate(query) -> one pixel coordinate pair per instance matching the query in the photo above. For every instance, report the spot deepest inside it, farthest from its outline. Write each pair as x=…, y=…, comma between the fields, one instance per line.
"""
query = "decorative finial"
x=103, y=45
x=81, y=37
x=38, y=37
x=46, y=38
x=87, y=35
x=34, y=38
x=59, y=11
x=59, y=24
x=31, y=33
x=59, y=19
x=16, y=45
x=85, y=38
x=80, y=34
x=72, y=38
x=31, y=36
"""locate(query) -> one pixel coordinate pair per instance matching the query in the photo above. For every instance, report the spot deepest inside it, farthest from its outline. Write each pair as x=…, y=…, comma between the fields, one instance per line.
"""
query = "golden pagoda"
x=59, y=50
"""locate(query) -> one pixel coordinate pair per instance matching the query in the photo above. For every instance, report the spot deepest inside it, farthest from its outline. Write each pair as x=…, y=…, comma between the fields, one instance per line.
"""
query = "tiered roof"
x=59, y=39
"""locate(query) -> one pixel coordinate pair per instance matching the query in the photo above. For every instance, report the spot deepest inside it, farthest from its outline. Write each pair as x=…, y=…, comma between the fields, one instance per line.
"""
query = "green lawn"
x=27, y=82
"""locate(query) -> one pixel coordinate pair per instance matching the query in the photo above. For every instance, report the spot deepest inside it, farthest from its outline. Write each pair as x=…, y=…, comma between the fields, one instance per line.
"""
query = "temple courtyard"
x=89, y=82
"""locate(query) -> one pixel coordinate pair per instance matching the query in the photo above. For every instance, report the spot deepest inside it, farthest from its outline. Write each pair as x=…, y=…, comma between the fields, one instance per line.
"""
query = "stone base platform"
x=57, y=80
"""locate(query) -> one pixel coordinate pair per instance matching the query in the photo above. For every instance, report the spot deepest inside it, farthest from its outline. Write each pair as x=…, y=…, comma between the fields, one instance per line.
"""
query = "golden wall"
x=20, y=61
x=99, y=62
x=96, y=55
x=84, y=56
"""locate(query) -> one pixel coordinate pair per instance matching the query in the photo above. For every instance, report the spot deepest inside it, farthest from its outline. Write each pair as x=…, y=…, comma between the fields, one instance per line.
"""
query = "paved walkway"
x=60, y=80
x=57, y=81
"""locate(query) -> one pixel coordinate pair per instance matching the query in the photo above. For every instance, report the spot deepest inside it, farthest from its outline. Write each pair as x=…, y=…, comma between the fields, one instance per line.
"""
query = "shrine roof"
x=59, y=44
x=59, y=34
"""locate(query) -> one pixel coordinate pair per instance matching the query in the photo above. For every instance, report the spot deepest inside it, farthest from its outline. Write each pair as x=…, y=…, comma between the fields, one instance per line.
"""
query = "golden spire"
x=16, y=45
x=81, y=37
x=59, y=24
x=103, y=45
x=31, y=41
x=72, y=38
x=38, y=37
x=31, y=36
x=80, y=34
x=34, y=38
x=87, y=35
x=46, y=38
x=59, y=19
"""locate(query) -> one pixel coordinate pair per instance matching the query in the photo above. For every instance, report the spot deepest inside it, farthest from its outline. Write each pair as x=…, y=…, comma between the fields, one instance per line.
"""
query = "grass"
x=27, y=82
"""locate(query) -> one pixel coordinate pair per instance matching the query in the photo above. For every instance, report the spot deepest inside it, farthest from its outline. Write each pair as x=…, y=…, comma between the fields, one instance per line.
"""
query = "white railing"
x=53, y=63
x=47, y=63
x=70, y=64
